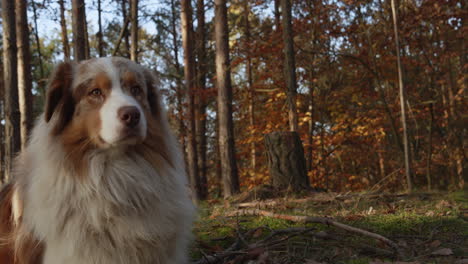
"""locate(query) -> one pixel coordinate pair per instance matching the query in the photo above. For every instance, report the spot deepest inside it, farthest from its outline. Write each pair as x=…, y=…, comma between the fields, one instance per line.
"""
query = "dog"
x=102, y=180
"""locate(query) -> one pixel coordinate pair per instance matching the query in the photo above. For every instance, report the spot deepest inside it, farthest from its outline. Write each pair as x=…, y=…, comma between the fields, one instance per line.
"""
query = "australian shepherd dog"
x=101, y=180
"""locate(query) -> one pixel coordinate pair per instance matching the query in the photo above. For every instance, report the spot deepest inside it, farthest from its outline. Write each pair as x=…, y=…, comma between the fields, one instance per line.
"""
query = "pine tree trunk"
x=249, y=71
x=226, y=126
x=79, y=32
x=286, y=161
x=201, y=100
x=134, y=30
x=290, y=64
x=99, y=34
x=277, y=15
x=310, y=134
x=409, y=181
x=10, y=67
x=63, y=26
x=125, y=30
x=39, y=52
x=189, y=63
x=87, y=47
x=180, y=87
x=2, y=128
x=24, y=70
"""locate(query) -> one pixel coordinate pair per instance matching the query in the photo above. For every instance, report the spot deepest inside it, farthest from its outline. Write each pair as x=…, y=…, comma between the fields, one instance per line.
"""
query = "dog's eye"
x=135, y=90
x=96, y=92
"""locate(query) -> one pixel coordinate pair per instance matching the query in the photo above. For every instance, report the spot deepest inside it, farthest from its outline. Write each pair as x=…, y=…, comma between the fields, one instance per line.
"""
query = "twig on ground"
x=320, y=220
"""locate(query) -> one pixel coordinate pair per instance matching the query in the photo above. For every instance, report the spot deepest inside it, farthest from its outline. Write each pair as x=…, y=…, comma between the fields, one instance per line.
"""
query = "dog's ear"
x=153, y=97
x=59, y=100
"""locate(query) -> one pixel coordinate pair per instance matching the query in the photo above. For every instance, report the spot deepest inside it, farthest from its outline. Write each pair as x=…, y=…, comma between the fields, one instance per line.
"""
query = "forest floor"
x=423, y=227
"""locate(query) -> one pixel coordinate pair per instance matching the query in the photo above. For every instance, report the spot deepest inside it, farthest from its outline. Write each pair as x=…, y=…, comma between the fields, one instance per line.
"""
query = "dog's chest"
x=120, y=217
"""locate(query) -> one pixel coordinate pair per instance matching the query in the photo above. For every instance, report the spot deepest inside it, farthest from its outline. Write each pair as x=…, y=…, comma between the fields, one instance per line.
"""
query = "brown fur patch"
x=14, y=249
x=82, y=134
x=6, y=225
x=59, y=98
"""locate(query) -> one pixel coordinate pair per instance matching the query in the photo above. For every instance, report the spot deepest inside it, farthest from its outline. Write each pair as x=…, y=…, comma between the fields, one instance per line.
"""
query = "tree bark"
x=134, y=30
x=249, y=71
x=41, y=84
x=409, y=181
x=290, y=64
x=10, y=67
x=310, y=134
x=200, y=124
x=78, y=26
x=226, y=126
x=180, y=87
x=24, y=70
x=187, y=42
x=125, y=29
x=277, y=15
x=286, y=161
x=63, y=26
x=99, y=34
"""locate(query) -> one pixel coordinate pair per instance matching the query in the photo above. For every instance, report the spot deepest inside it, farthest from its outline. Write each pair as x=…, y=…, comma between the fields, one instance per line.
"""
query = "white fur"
x=111, y=125
x=126, y=211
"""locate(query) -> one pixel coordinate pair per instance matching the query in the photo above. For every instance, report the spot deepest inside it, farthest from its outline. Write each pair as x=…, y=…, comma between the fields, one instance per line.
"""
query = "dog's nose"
x=129, y=116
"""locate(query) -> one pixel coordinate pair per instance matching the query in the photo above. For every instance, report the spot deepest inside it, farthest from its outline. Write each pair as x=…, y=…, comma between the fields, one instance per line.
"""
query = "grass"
x=420, y=223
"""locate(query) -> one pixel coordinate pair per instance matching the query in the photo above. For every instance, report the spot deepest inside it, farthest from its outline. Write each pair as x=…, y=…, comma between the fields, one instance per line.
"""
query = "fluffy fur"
x=88, y=189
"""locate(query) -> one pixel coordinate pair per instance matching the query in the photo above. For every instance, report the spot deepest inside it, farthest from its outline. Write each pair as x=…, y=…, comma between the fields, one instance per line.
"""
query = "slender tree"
x=189, y=67
x=180, y=87
x=10, y=67
x=134, y=30
x=38, y=49
x=409, y=181
x=24, y=70
x=290, y=64
x=223, y=80
x=99, y=34
x=79, y=31
x=249, y=71
x=63, y=26
x=200, y=124
x=125, y=20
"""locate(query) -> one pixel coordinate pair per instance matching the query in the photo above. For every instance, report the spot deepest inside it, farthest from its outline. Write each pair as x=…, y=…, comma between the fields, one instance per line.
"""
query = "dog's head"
x=101, y=103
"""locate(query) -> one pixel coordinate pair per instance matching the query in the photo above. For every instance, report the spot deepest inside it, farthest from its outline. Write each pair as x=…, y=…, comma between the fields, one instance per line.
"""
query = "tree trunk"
x=125, y=29
x=277, y=15
x=286, y=161
x=87, y=48
x=201, y=100
x=226, y=126
x=180, y=87
x=187, y=42
x=99, y=34
x=134, y=30
x=290, y=64
x=10, y=67
x=248, y=39
x=24, y=70
x=78, y=26
x=41, y=84
x=310, y=134
x=429, y=149
x=63, y=26
x=409, y=181
x=2, y=128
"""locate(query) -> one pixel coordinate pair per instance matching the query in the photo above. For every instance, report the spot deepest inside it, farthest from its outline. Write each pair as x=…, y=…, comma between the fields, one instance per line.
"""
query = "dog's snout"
x=129, y=116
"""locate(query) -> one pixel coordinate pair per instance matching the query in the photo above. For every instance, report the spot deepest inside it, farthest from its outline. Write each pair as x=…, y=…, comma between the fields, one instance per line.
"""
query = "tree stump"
x=286, y=161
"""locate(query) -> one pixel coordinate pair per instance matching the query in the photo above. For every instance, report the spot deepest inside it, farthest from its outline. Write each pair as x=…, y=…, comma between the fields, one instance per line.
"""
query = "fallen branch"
x=320, y=220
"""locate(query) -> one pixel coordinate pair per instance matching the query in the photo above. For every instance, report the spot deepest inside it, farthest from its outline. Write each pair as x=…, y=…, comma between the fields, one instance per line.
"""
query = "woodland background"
x=346, y=89
x=375, y=90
